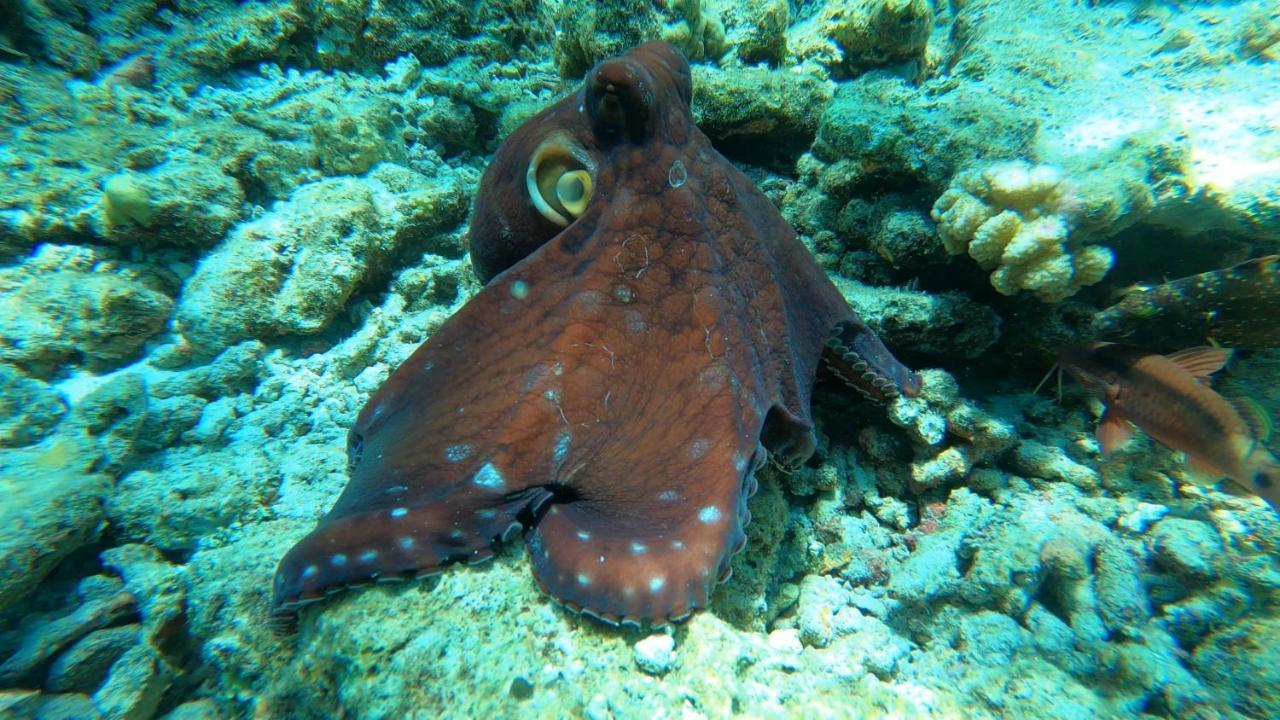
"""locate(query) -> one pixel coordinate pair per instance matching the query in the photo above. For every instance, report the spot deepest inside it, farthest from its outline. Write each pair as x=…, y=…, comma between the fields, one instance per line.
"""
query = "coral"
x=589, y=33
x=1241, y=659
x=751, y=104
x=945, y=324
x=222, y=36
x=350, y=141
x=1015, y=220
x=952, y=436
x=29, y=409
x=52, y=507
x=66, y=305
x=292, y=270
x=186, y=200
x=698, y=34
x=758, y=31
x=125, y=199
x=192, y=493
x=854, y=36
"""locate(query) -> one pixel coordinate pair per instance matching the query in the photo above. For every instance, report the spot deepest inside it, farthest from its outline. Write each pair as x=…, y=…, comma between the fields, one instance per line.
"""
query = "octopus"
x=649, y=333
x=1237, y=306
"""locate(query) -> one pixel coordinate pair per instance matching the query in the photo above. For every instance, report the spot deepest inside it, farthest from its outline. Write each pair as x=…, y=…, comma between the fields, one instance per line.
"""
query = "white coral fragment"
x=1014, y=219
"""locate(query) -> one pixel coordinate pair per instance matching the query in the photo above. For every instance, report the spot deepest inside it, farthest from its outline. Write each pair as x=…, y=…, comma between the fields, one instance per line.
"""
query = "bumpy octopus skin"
x=650, y=328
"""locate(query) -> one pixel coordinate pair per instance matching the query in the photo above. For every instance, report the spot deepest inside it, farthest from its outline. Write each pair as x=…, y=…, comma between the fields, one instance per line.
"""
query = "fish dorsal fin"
x=1113, y=432
x=1254, y=416
x=1201, y=362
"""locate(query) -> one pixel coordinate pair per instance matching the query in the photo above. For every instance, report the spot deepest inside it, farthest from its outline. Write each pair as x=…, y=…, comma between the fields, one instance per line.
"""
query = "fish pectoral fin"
x=1201, y=362
x=1113, y=432
x=1257, y=419
x=1200, y=472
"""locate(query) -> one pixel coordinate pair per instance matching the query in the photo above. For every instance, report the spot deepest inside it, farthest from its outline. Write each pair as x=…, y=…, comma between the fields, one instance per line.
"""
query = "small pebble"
x=786, y=640
x=1142, y=517
x=521, y=689
x=656, y=654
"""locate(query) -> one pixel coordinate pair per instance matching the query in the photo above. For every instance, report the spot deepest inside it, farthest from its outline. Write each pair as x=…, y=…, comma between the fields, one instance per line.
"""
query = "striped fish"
x=1169, y=398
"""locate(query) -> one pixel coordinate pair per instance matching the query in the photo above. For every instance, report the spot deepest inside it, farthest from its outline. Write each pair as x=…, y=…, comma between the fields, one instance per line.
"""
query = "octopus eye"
x=1262, y=480
x=559, y=179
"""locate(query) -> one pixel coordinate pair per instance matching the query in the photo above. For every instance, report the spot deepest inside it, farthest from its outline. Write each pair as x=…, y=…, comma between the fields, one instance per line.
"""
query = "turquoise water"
x=738, y=471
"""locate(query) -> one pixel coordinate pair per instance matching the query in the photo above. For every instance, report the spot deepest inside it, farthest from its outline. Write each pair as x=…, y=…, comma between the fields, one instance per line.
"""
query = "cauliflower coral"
x=1015, y=220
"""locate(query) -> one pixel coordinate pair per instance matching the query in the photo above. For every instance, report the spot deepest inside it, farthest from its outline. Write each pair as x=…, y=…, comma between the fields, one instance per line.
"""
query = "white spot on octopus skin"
x=584, y=580
x=656, y=582
x=489, y=477
x=669, y=495
x=739, y=462
x=562, y=446
x=520, y=290
x=698, y=448
x=583, y=535
x=486, y=513
x=457, y=453
x=709, y=514
x=677, y=545
x=639, y=548
x=338, y=560
x=368, y=556
x=309, y=571
x=406, y=543
x=399, y=512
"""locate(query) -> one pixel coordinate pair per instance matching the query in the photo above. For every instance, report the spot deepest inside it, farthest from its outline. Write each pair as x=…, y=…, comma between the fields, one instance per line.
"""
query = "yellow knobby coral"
x=1014, y=219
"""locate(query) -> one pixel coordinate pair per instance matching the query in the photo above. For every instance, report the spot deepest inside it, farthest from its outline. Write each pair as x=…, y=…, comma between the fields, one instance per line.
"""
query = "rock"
x=656, y=654
x=69, y=316
x=52, y=506
x=1185, y=547
x=44, y=640
x=188, y=493
x=135, y=686
x=261, y=283
x=991, y=638
x=1142, y=517
x=944, y=325
x=194, y=710
x=113, y=415
x=19, y=703
x=186, y=200
x=1241, y=660
x=29, y=408
x=84, y=666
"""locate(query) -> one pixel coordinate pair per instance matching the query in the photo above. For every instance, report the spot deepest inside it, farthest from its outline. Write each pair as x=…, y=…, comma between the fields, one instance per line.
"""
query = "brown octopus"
x=651, y=327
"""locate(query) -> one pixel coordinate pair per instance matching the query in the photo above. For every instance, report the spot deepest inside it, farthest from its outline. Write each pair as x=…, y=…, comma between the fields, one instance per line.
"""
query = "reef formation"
x=224, y=224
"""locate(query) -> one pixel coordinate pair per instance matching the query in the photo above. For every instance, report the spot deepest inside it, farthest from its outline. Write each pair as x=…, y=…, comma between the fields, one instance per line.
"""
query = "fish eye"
x=559, y=179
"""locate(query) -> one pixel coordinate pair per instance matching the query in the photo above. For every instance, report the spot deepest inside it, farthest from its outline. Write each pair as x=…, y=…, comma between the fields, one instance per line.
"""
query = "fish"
x=1169, y=398
x=1237, y=306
